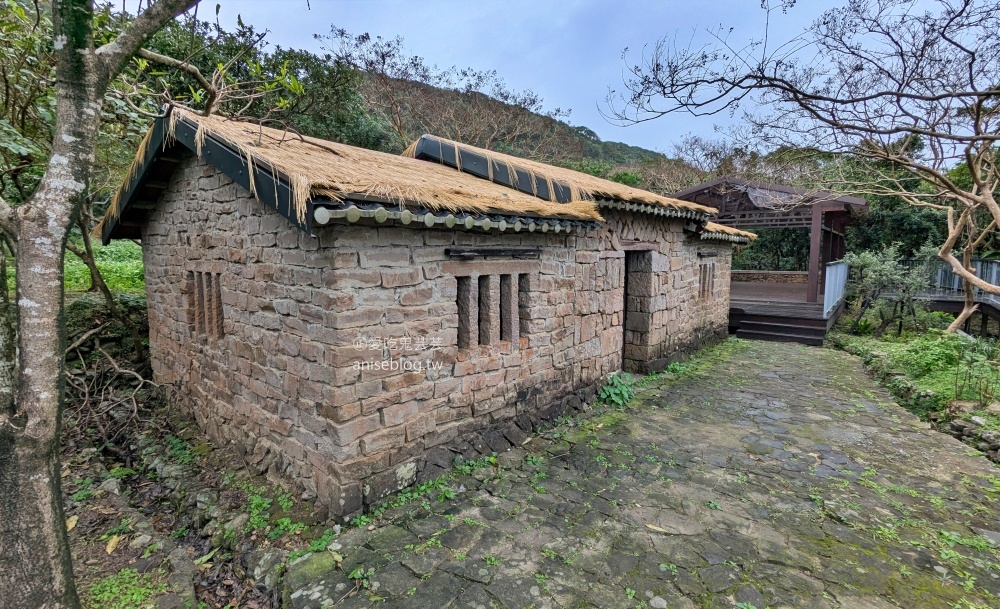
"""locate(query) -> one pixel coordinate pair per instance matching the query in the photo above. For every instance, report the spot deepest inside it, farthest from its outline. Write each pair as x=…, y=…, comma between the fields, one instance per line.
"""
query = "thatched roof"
x=304, y=178
x=557, y=183
x=324, y=169
x=320, y=169
x=719, y=232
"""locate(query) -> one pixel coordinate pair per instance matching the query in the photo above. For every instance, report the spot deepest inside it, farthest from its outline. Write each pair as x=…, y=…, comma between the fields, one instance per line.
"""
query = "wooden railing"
x=834, y=286
x=944, y=283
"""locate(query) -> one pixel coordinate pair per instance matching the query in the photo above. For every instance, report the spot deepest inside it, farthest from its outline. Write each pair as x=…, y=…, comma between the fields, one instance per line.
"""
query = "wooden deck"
x=770, y=298
x=945, y=292
x=777, y=312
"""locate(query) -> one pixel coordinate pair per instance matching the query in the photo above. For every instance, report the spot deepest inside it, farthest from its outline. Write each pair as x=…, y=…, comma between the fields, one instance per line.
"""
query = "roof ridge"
x=576, y=185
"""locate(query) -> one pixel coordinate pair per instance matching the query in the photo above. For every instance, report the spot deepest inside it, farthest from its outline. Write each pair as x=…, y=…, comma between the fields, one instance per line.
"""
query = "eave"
x=270, y=187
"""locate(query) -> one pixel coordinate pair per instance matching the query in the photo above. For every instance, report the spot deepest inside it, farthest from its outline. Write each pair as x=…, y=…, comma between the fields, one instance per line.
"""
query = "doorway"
x=637, y=314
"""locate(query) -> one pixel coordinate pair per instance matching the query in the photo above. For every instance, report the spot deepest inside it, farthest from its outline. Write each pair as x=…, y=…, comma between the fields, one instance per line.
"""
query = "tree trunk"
x=8, y=343
x=36, y=567
x=35, y=564
x=885, y=320
x=970, y=297
x=865, y=305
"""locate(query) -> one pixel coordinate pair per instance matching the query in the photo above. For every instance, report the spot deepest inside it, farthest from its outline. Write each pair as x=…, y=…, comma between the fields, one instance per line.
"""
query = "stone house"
x=353, y=320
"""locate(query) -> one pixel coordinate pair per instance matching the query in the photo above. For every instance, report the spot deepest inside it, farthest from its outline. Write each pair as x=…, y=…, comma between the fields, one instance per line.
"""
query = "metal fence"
x=834, y=286
x=944, y=282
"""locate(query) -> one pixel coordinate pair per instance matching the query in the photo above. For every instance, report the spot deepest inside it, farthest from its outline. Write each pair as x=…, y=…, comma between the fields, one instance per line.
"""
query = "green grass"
x=928, y=360
x=926, y=356
x=928, y=371
x=127, y=589
x=120, y=263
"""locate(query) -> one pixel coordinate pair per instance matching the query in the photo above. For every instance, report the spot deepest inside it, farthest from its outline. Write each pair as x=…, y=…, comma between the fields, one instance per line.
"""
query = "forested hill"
x=477, y=108
x=410, y=97
x=615, y=153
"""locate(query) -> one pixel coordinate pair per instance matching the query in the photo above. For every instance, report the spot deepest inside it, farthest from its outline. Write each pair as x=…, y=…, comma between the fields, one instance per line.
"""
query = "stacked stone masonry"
x=771, y=276
x=337, y=366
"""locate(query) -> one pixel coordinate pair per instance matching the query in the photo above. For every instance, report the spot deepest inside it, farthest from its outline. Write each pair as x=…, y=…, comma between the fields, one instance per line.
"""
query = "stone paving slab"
x=777, y=476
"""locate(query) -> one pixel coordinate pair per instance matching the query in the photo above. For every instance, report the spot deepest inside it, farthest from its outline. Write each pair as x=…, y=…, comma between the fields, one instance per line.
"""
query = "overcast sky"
x=568, y=51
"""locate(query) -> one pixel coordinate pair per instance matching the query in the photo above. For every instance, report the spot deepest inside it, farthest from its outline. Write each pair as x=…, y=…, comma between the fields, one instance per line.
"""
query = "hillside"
x=615, y=153
x=516, y=123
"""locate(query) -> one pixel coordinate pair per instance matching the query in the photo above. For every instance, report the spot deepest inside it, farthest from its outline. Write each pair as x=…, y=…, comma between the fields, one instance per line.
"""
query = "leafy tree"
x=886, y=286
x=27, y=114
x=317, y=95
x=330, y=105
x=34, y=553
x=892, y=220
x=775, y=249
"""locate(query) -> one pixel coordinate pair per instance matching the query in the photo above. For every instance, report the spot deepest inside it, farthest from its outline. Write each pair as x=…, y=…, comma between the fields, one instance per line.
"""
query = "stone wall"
x=334, y=361
x=974, y=434
x=681, y=317
x=772, y=276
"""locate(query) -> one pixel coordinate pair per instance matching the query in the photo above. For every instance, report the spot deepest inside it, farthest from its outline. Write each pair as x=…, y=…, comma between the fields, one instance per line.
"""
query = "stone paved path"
x=775, y=476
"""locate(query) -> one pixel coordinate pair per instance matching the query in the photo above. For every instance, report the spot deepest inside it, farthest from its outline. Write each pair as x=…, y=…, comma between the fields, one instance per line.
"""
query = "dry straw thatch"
x=712, y=227
x=315, y=168
x=328, y=170
x=582, y=186
x=114, y=208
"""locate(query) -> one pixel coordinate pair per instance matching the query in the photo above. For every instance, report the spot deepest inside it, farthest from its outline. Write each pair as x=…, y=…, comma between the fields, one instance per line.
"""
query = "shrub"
x=936, y=368
x=626, y=177
x=930, y=352
x=617, y=392
x=977, y=375
x=127, y=589
x=885, y=289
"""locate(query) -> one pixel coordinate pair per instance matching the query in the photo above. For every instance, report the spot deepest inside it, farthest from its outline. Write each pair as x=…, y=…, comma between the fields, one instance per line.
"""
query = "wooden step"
x=788, y=327
x=780, y=337
x=778, y=309
x=799, y=323
x=776, y=319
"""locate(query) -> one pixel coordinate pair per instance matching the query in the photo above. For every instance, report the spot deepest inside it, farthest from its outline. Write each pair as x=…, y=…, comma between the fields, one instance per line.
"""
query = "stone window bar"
x=205, y=304
x=467, y=253
x=491, y=309
x=706, y=286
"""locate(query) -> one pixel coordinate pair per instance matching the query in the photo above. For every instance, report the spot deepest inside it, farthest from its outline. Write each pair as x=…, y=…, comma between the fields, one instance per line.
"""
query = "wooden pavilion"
x=775, y=305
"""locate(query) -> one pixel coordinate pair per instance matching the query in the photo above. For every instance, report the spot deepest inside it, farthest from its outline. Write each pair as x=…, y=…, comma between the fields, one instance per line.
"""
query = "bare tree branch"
x=895, y=87
x=86, y=336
